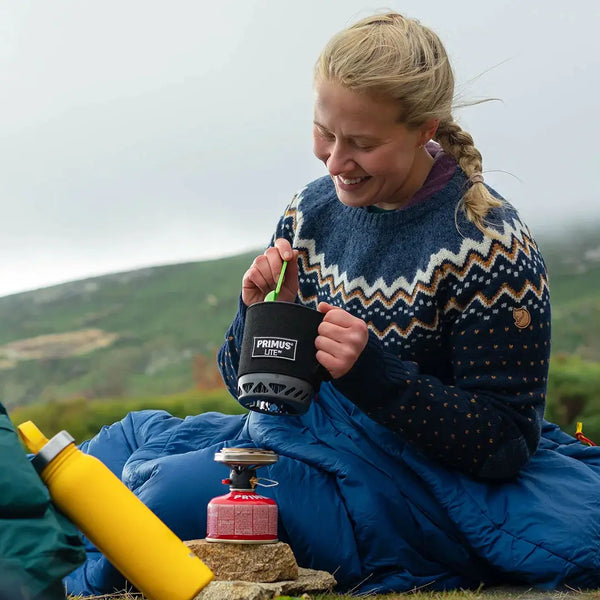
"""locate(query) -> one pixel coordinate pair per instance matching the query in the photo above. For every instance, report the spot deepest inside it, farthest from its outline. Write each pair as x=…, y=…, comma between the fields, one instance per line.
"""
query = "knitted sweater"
x=459, y=323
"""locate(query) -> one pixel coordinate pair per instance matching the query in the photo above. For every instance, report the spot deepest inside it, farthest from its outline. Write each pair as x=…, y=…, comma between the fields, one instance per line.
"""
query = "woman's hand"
x=263, y=274
x=341, y=339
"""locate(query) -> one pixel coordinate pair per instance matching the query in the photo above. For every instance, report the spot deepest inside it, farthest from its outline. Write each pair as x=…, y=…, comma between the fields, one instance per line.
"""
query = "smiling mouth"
x=351, y=181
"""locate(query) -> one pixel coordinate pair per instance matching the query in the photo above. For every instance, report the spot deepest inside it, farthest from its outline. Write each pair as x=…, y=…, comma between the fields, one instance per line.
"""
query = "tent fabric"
x=38, y=545
x=357, y=501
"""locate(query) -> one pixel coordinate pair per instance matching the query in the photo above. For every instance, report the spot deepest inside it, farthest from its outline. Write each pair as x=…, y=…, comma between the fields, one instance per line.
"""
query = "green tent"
x=38, y=545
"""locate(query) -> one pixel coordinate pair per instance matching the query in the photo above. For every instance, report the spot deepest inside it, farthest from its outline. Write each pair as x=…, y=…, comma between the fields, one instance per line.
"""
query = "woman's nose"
x=339, y=159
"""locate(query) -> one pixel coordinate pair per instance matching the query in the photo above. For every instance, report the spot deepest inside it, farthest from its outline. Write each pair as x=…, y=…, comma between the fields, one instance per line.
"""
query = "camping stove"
x=242, y=516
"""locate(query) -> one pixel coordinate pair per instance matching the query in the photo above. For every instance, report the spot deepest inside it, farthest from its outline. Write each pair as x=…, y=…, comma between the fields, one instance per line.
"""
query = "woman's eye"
x=326, y=135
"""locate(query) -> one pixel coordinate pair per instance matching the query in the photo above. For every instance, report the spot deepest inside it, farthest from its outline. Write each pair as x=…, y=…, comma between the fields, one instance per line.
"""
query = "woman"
x=437, y=315
x=425, y=461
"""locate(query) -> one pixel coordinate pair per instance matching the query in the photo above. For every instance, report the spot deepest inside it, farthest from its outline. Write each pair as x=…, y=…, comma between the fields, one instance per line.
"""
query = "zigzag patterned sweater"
x=459, y=322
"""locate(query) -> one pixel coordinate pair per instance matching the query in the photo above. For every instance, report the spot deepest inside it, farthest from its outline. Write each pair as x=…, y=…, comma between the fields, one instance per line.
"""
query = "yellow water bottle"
x=146, y=552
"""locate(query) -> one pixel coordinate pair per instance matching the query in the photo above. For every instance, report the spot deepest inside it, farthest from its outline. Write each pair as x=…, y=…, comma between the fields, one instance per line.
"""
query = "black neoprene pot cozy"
x=279, y=373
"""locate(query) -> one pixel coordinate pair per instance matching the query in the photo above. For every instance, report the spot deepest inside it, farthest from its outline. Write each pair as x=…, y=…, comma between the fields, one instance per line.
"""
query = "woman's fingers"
x=275, y=263
x=263, y=274
x=282, y=250
x=285, y=249
x=341, y=339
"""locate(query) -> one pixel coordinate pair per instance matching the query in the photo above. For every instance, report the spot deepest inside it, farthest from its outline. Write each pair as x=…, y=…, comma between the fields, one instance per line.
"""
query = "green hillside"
x=165, y=317
x=153, y=331
x=573, y=261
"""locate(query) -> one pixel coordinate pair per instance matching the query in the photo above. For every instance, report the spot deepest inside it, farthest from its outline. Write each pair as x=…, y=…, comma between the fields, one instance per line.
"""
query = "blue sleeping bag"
x=356, y=501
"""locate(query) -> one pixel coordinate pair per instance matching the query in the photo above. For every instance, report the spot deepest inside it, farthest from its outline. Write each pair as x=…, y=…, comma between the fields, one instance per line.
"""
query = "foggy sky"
x=139, y=133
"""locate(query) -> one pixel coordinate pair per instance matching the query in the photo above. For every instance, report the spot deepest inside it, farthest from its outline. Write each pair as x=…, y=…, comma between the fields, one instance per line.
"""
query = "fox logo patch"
x=522, y=317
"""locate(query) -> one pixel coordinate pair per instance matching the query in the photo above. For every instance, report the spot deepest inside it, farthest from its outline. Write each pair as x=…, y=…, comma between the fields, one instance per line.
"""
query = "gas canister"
x=243, y=516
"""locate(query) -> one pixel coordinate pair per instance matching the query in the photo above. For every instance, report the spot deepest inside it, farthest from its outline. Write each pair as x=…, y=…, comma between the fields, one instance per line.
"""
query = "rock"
x=256, y=572
x=234, y=590
x=265, y=563
x=308, y=581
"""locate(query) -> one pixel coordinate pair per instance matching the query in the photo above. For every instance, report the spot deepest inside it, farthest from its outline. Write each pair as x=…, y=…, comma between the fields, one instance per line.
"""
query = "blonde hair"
x=393, y=57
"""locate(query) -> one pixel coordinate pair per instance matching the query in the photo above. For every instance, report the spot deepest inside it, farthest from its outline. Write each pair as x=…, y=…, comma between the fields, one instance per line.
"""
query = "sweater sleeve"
x=228, y=356
x=485, y=420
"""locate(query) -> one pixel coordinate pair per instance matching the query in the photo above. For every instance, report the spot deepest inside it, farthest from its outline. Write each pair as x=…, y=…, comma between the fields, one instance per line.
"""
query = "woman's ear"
x=427, y=130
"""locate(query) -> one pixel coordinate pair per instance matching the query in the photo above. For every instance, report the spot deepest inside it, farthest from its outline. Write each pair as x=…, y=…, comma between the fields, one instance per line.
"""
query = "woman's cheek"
x=320, y=149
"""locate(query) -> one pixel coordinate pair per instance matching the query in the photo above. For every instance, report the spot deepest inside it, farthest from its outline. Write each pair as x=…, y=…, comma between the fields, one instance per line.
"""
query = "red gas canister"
x=242, y=516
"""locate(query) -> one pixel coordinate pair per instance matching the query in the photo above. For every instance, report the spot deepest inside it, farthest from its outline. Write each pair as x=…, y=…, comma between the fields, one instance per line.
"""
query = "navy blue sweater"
x=459, y=322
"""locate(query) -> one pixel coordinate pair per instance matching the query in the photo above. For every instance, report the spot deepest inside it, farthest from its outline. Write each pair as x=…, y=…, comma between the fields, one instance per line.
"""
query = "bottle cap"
x=31, y=436
x=51, y=450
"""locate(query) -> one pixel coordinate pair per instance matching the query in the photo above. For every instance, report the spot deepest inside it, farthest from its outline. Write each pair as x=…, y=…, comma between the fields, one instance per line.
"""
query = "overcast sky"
x=139, y=132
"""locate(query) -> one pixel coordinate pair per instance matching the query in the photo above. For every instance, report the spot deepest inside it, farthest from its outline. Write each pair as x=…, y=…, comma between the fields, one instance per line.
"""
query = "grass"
x=507, y=593
x=83, y=418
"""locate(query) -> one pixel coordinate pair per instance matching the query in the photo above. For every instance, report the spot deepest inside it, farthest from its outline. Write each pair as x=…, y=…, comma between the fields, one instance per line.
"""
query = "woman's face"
x=372, y=159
